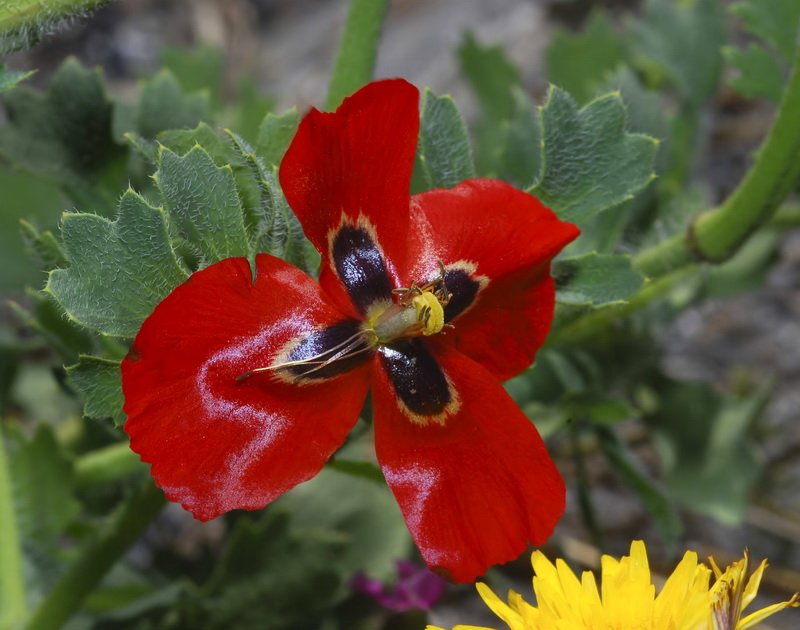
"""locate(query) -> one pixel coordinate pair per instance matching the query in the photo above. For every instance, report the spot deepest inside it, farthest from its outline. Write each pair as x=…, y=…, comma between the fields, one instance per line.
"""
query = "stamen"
x=343, y=348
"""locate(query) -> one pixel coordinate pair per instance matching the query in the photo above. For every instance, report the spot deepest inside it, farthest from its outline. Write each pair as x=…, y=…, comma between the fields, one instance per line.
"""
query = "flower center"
x=419, y=311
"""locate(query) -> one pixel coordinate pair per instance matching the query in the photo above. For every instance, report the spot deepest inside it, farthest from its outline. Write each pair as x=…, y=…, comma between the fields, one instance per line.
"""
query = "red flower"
x=239, y=388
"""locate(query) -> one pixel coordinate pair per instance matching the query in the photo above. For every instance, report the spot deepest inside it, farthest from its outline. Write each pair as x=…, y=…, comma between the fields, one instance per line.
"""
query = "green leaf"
x=197, y=69
x=44, y=246
x=365, y=470
x=567, y=54
x=65, y=135
x=275, y=134
x=682, y=42
x=359, y=511
x=247, y=112
x=443, y=149
x=760, y=74
x=100, y=383
x=47, y=318
x=710, y=459
x=119, y=270
x=590, y=163
x=653, y=497
x=43, y=480
x=598, y=406
x=774, y=21
x=164, y=105
x=225, y=152
x=269, y=577
x=24, y=22
x=491, y=76
x=595, y=280
x=9, y=79
x=517, y=143
x=203, y=202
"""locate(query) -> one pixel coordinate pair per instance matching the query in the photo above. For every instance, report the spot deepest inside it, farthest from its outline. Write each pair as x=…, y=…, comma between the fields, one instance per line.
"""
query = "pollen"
x=430, y=312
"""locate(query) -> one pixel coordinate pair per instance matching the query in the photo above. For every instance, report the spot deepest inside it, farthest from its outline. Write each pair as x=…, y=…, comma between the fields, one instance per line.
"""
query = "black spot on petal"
x=416, y=376
x=360, y=267
x=329, y=352
x=463, y=290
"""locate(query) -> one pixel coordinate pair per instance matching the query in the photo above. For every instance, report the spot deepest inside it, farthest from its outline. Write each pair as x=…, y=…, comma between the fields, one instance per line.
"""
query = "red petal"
x=475, y=489
x=355, y=163
x=217, y=443
x=508, y=237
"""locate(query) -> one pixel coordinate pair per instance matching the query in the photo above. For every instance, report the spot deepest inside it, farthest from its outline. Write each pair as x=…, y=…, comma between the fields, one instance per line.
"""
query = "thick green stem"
x=717, y=234
x=13, y=601
x=357, y=50
x=23, y=22
x=97, y=558
x=106, y=465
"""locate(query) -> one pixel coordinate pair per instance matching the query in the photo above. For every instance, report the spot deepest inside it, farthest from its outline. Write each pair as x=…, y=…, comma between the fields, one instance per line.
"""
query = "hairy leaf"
x=99, y=382
x=590, y=163
x=9, y=79
x=443, y=149
x=595, y=280
x=24, y=22
x=203, y=203
x=119, y=270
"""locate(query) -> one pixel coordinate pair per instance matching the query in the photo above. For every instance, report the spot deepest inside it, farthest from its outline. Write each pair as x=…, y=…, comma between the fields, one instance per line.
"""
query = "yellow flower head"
x=628, y=599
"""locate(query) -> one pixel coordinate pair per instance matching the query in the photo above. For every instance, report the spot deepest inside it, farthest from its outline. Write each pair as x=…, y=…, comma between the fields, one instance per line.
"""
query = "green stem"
x=13, y=600
x=96, y=559
x=24, y=22
x=106, y=465
x=357, y=50
x=716, y=234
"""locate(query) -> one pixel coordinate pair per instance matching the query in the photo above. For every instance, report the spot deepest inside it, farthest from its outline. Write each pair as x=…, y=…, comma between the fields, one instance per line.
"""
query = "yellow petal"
x=759, y=616
x=498, y=606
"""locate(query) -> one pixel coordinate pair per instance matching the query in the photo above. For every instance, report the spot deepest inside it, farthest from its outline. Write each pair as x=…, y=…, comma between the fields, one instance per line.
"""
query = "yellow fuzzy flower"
x=628, y=599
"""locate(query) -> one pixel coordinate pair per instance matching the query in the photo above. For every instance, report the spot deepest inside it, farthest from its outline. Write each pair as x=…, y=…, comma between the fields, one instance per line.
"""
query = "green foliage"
x=762, y=70
x=203, y=203
x=113, y=292
x=443, y=150
x=590, y=163
x=567, y=56
x=595, y=280
x=491, y=76
x=680, y=42
x=9, y=79
x=24, y=22
x=269, y=577
x=655, y=499
x=361, y=513
x=274, y=135
x=99, y=382
x=710, y=459
x=64, y=135
x=774, y=21
x=164, y=105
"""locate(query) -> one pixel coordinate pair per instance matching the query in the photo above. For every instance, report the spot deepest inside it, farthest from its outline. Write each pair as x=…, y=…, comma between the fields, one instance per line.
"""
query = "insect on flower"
x=239, y=387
